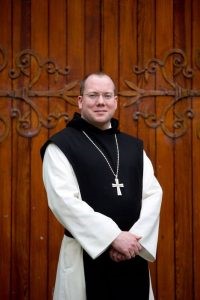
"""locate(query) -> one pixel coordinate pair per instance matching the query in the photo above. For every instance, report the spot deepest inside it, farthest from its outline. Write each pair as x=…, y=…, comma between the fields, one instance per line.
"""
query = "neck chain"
x=117, y=185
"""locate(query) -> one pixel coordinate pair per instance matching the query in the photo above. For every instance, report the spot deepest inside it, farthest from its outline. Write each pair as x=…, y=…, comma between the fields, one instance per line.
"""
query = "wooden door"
x=151, y=48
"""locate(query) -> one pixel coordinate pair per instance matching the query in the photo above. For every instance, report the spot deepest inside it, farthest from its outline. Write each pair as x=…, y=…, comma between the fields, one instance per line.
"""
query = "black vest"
x=94, y=175
x=106, y=279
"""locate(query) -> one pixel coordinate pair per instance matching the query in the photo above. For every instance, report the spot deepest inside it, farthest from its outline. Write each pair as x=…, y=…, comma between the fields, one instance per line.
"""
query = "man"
x=102, y=189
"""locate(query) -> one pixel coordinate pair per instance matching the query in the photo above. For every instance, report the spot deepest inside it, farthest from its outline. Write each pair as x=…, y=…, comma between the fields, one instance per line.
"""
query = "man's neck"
x=99, y=126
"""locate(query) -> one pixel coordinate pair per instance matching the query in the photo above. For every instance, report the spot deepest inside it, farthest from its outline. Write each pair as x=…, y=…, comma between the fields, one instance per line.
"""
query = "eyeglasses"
x=95, y=96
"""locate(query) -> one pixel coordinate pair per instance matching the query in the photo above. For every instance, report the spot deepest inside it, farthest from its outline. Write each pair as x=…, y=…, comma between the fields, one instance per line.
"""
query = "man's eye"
x=107, y=96
x=93, y=96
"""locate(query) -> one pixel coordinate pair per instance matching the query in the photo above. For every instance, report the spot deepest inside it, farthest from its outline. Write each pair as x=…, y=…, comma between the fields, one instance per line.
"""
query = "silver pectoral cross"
x=118, y=185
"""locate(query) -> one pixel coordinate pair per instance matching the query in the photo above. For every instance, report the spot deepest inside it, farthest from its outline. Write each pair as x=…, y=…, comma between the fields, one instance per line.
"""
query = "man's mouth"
x=100, y=111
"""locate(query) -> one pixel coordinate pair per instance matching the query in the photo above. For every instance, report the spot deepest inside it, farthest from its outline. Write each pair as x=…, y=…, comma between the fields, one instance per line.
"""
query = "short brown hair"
x=82, y=83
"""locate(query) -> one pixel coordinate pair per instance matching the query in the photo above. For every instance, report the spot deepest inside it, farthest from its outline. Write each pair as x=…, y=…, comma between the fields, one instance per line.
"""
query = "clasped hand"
x=125, y=246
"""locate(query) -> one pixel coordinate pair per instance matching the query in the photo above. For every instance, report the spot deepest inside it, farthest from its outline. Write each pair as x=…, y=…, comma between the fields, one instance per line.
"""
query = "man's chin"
x=102, y=124
x=99, y=121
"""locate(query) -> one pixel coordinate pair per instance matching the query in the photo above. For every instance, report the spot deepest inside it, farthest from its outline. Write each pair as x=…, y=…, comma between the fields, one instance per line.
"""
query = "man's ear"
x=116, y=99
x=80, y=100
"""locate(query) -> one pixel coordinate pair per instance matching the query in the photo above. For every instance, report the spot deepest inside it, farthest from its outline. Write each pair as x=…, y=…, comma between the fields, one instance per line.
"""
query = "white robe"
x=93, y=231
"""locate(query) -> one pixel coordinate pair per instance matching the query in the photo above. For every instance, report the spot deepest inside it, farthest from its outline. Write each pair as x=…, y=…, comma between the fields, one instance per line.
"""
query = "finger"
x=113, y=255
x=138, y=248
x=132, y=254
x=137, y=237
x=117, y=256
x=128, y=256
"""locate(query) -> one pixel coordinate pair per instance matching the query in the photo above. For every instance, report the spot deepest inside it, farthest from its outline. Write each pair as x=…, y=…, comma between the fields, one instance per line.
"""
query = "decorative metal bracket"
x=135, y=94
x=29, y=68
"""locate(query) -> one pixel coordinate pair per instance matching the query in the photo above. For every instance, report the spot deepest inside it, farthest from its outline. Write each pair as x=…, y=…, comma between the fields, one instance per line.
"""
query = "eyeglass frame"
x=95, y=96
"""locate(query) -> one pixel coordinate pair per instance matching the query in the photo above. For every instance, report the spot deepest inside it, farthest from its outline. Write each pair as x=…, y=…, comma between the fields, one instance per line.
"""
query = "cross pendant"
x=118, y=185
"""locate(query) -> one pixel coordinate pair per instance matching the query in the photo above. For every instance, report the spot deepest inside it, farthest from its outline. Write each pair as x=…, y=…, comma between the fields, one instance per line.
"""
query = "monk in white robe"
x=91, y=230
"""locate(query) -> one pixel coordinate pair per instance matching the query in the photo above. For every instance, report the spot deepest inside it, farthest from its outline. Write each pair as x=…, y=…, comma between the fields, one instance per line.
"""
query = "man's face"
x=98, y=103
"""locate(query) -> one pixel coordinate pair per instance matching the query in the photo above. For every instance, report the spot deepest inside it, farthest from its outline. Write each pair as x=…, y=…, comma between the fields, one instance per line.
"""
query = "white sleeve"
x=148, y=223
x=94, y=231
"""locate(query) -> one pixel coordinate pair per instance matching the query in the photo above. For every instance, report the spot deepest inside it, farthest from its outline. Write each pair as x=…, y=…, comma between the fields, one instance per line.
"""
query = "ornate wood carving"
x=29, y=68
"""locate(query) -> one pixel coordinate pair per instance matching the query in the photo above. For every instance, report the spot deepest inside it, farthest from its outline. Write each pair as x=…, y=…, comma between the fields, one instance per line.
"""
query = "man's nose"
x=101, y=99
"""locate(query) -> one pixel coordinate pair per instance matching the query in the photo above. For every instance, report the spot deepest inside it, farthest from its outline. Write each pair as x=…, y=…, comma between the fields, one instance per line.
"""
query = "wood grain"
x=195, y=237
x=87, y=36
x=38, y=207
x=165, y=161
x=5, y=167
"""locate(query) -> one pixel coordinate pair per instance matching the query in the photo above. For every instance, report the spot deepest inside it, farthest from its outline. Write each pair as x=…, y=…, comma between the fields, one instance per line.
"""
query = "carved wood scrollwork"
x=177, y=70
x=29, y=68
